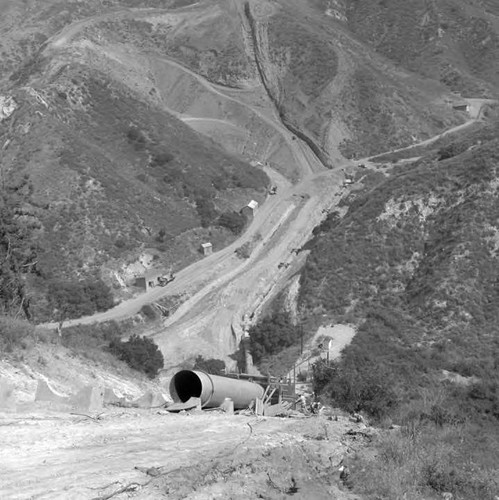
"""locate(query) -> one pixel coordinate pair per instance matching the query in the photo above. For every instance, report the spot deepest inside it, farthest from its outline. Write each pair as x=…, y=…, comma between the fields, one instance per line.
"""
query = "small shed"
x=207, y=248
x=250, y=209
x=149, y=279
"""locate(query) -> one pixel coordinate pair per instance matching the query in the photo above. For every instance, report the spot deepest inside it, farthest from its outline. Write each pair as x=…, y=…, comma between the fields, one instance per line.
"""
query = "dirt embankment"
x=271, y=85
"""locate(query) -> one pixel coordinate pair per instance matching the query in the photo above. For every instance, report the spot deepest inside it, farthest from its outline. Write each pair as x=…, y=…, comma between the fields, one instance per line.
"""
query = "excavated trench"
x=316, y=150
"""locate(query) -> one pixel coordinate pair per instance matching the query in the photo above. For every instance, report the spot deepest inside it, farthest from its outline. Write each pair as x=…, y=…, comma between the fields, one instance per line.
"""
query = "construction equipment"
x=166, y=278
x=273, y=190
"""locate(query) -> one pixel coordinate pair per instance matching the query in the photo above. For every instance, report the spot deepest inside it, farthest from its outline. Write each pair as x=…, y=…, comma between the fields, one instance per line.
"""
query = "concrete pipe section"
x=213, y=389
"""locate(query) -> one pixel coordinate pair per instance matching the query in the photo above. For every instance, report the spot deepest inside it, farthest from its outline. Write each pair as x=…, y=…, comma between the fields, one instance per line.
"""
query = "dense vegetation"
x=71, y=299
x=209, y=365
x=454, y=42
x=272, y=335
x=140, y=353
x=414, y=263
x=18, y=254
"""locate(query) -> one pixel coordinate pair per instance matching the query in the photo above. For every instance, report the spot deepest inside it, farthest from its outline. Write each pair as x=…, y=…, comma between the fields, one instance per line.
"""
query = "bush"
x=206, y=211
x=233, y=221
x=140, y=353
x=13, y=333
x=136, y=138
x=71, y=299
x=272, y=335
x=211, y=365
x=244, y=251
x=355, y=389
x=83, y=338
x=149, y=312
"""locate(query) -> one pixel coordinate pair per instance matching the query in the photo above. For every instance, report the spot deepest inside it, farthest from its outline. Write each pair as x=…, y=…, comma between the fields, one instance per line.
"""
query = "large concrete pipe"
x=213, y=389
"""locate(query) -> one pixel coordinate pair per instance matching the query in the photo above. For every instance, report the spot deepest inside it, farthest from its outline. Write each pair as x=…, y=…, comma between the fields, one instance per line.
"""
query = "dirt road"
x=475, y=113
x=150, y=454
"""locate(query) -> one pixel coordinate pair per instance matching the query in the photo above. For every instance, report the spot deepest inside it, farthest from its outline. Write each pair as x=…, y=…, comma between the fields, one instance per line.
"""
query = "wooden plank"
x=258, y=407
x=269, y=396
x=265, y=392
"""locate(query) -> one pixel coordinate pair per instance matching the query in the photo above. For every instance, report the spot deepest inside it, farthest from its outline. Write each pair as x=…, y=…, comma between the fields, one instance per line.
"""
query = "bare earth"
x=150, y=454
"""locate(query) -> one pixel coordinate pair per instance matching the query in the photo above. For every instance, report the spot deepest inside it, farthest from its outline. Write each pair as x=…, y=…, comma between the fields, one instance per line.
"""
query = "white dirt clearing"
x=148, y=454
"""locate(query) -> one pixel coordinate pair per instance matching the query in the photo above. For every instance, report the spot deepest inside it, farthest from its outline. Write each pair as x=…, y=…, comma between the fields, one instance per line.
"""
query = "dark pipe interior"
x=186, y=385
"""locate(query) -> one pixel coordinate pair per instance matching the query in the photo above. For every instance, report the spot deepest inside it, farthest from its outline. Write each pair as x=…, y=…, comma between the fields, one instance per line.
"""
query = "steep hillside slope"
x=100, y=158
x=97, y=170
x=417, y=256
x=336, y=91
x=451, y=41
x=414, y=262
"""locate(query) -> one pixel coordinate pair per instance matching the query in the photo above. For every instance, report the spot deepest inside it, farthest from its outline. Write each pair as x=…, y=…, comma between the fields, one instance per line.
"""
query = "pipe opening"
x=185, y=385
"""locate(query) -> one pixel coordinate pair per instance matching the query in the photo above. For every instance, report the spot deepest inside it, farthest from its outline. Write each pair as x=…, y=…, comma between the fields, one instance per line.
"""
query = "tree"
x=72, y=299
x=272, y=335
x=206, y=211
x=18, y=255
x=140, y=353
x=233, y=221
x=211, y=365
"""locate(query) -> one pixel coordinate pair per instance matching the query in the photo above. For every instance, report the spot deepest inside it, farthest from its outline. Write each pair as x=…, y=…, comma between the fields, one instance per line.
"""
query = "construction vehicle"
x=273, y=190
x=166, y=278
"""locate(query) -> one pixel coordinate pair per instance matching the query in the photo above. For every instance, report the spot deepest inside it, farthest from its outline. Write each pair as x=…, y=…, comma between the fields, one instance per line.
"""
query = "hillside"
x=454, y=42
x=339, y=92
x=96, y=171
x=413, y=262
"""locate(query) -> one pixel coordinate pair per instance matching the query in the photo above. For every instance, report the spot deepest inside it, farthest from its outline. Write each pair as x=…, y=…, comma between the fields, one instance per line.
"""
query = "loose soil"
x=148, y=454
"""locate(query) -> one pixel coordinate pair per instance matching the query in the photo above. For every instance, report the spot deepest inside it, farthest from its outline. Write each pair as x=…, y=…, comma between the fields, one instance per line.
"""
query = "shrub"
x=13, y=333
x=71, y=299
x=211, y=365
x=244, y=251
x=136, y=138
x=354, y=389
x=161, y=158
x=149, y=312
x=206, y=211
x=140, y=353
x=233, y=221
x=272, y=335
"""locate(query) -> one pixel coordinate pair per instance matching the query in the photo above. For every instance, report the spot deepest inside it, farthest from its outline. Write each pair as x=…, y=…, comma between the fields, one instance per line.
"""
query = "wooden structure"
x=206, y=248
x=250, y=209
